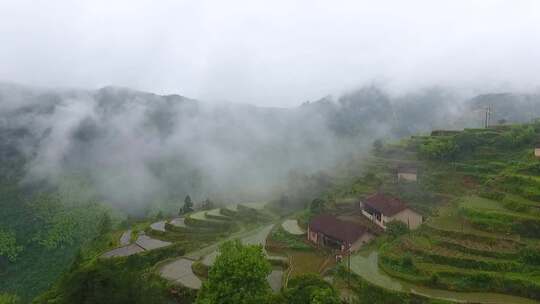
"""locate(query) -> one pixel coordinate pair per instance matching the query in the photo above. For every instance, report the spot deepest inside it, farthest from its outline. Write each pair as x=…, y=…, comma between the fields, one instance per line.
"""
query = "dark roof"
x=340, y=230
x=407, y=168
x=385, y=204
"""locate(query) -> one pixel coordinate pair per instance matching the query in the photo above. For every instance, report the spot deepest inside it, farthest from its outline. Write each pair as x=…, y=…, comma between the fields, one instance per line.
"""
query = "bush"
x=530, y=255
x=407, y=261
x=396, y=228
x=492, y=195
x=434, y=279
x=527, y=228
x=310, y=289
x=8, y=299
x=8, y=246
x=200, y=269
x=514, y=205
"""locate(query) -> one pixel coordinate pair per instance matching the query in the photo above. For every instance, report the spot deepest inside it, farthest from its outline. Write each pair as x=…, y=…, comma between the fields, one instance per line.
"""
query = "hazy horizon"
x=271, y=54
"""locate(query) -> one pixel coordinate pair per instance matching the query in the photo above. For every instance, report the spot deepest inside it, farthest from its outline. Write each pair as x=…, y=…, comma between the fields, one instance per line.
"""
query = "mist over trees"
x=131, y=148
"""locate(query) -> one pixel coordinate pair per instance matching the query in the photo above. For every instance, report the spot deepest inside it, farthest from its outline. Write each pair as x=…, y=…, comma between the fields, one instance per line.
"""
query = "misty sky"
x=277, y=53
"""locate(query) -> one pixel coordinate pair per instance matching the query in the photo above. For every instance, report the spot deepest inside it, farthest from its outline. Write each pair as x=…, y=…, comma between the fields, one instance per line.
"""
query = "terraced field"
x=200, y=215
x=366, y=264
x=255, y=205
x=254, y=237
x=178, y=222
x=487, y=237
x=205, y=230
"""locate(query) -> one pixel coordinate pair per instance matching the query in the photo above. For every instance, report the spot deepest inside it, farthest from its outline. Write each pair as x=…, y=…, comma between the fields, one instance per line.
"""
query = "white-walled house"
x=382, y=209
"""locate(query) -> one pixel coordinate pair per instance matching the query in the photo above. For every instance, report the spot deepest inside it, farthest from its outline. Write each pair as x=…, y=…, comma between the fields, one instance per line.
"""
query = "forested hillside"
x=75, y=163
x=484, y=235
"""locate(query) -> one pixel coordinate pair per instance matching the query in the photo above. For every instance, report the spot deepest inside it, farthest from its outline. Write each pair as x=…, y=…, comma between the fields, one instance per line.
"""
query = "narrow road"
x=291, y=226
x=180, y=270
x=253, y=237
x=125, y=238
x=159, y=226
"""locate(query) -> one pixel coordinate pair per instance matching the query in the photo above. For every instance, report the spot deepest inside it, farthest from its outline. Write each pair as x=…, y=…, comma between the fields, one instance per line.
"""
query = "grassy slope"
x=134, y=279
x=475, y=242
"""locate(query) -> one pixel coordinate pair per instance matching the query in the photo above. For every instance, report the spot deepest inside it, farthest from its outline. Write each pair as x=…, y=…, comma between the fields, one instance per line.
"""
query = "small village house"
x=407, y=173
x=382, y=209
x=537, y=150
x=328, y=231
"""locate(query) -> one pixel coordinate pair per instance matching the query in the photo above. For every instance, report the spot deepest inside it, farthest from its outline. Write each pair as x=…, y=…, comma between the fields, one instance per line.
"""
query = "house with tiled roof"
x=328, y=231
x=382, y=209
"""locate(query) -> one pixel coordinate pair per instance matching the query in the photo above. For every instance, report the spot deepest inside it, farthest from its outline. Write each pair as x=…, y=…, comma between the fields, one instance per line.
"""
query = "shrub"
x=492, y=195
x=407, y=261
x=200, y=269
x=396, y=228
x=434, y=279
x=8, y=246
x=530, y=255
x=310, y=288
x=514, y=205
x=8, y=299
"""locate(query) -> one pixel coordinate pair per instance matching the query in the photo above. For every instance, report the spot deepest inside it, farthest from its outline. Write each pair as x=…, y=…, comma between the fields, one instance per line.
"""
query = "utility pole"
x=490, y=111
x=487, y=117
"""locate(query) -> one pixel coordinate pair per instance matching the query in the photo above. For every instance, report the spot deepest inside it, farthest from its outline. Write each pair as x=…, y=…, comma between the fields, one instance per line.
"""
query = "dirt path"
x=366, y=265
x=159, y=226
x=275, y=279
x=123, y=251
x=254, y=234
x=143, y=243
x=253, y=237
x=125, y=238
x=291, y=226
x=180, y=271
x=148, y=243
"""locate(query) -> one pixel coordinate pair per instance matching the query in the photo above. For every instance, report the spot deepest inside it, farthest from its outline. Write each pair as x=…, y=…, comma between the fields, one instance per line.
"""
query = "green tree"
x=188, y=205
x=310, y=289
x=207, y=204
x=8, y=245
x=8, y=299
x=530, y=255
x=396, y=228
x=439, y=149
x=317, y=206
x=105, y=224
x=237, y=277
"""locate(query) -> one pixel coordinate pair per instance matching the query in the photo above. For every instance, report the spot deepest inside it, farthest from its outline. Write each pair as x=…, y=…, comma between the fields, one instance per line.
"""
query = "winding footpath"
x=180, y=270
x=143, y=243
x=366, y=265
x=125, y=238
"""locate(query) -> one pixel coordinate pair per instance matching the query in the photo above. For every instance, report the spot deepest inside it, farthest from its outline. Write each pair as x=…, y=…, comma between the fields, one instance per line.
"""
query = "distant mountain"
x=136, y=147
